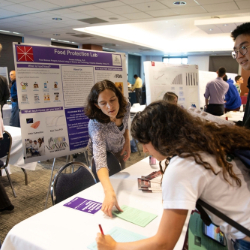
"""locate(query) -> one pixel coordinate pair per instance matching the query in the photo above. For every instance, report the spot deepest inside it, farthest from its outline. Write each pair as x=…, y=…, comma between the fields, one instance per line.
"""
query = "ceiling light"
x=166, y=21
x=53, y=39
x=56, y=18
x=180, y=3
x=225, y=24
x=113, y=18
x=15, y=33
x=210, y=29
x=5, y=31
x=56, y=34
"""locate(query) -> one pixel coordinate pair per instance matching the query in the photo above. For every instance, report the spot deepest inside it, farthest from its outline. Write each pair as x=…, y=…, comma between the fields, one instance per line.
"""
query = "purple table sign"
x=84, y=205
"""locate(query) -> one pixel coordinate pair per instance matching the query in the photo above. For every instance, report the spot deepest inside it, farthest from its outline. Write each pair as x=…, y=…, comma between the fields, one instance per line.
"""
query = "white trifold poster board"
x=4, y=72
x=53, y=84
x=208, y=76
x=182, y=79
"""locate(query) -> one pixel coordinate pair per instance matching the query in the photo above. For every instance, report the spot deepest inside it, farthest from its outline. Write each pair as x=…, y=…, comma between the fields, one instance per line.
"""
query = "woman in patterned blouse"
x=108, y=111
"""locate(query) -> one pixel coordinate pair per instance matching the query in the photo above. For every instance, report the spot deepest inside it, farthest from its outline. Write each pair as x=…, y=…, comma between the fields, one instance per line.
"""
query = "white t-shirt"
x=184, y=182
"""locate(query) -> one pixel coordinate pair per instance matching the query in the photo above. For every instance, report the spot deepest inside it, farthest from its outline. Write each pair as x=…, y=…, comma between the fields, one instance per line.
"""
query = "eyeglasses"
x=243, y=50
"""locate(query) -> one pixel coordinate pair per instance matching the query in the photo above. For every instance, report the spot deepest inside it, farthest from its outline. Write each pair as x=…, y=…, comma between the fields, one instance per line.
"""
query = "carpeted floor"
x=31, y=198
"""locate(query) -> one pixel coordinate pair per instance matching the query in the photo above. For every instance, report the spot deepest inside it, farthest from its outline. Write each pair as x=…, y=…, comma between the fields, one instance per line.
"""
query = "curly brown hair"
x=92, y=112
x=172, y=130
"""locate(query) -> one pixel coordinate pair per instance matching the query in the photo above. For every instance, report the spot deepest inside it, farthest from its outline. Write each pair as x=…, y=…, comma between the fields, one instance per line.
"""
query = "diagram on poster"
x=53, y=85
x=181, y=79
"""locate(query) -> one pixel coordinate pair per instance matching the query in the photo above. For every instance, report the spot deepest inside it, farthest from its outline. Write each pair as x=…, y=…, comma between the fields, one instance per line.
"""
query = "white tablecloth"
x=6, y=114
x=16, y=154
x=64, y=228
x=233, y=116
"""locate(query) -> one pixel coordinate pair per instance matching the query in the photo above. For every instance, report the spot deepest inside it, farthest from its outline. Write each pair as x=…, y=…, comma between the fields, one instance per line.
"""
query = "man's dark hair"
x=237, y=78
x=221, y=72
x=135, y=76
x=225, y=78
x=170, y=96
x=241, y=29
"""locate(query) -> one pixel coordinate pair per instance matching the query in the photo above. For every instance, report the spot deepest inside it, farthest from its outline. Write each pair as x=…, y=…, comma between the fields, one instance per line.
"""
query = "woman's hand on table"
x=126, y=151
x=105, y=242
x=109, y=202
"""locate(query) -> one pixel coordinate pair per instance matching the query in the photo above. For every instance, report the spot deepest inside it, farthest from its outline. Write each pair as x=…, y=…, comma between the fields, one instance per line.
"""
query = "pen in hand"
x=101, y=229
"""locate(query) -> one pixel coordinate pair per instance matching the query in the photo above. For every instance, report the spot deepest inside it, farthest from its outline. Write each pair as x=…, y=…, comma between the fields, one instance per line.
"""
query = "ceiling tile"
x=122, y=10
x=77, y=16
x=7, y=13
x=130, y=2
x=213, y=1
x=170, y=3
x=220, y=7
x=109, y=4
x=138, y=15
x=18, y=1
x=210, y=29
x=40, y=5
x=226, y=28
x=20, y=9
x=161, y=13
x=65, y=2
x=98, y=13
x=149, y=6
x=85, y=8
x=243, y=4
x=119, y=18
x=6, y=3
x=189, y=10
x=63, y=11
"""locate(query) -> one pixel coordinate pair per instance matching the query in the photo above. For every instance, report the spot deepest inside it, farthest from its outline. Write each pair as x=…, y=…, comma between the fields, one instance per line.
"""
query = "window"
x=175, y=60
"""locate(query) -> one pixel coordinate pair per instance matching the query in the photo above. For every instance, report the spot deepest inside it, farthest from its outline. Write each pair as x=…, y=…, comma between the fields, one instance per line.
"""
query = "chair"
x=5, y=147
x=114, y=165
x=65, y=185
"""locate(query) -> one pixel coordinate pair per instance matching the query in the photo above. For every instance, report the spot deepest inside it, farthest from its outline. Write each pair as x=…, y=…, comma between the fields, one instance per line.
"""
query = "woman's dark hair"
x=225, y=78
x=92, y=112
x=237, y=78
x=243, y=29
x=170, y=96
x=172, y=130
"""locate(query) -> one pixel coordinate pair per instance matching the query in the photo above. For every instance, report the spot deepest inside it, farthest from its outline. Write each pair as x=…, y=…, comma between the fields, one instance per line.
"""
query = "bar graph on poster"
x=183, y=80
x=53, y=84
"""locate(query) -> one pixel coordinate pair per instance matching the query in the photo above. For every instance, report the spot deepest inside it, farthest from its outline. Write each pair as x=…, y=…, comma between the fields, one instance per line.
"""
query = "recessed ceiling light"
x=113, y=18
x=56, y=18
x=210, y=29
x=180, y=3
x=15, y=33
x=53, y=39
x=225, y=24
x=5, y=31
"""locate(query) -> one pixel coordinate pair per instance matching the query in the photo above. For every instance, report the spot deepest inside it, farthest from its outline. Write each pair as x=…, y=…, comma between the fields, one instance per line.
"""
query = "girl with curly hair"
x=199, y=165
x=108, y=111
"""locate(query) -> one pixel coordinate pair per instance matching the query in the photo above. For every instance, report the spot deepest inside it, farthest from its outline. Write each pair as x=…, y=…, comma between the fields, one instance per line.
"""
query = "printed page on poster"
x=53, y=84
x=182, y=79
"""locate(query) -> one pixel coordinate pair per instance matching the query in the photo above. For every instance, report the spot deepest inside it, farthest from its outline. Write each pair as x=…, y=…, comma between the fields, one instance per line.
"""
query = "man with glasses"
x=241, y=37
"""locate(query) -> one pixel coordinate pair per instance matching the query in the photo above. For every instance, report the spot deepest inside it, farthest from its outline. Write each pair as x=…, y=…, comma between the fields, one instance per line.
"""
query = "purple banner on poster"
x=84, y=205
x=19, y=65
x=108, y=68
x=28, y=111
x=54, y=55
x=77, y=123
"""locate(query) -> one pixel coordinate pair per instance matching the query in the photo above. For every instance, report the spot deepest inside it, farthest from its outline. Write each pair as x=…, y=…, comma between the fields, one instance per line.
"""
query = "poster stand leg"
x=26, y=176
x=52, y=169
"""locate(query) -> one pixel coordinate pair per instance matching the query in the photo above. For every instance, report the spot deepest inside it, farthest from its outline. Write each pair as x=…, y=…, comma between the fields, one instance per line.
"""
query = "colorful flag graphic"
x=25, y=54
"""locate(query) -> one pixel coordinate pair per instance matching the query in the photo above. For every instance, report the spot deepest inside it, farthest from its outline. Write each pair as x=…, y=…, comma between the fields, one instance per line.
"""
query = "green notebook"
x=135, y=216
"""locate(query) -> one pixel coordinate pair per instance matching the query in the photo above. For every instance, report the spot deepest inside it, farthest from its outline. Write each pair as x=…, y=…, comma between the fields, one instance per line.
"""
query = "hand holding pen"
x=105, y=242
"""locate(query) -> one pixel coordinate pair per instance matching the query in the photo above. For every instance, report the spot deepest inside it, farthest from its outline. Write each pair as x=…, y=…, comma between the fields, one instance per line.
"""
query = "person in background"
x=4, y=89
x=5, y=203
x=14, y=118
x=171, y=97
x=215, y=93
x=238, y=82
x=199, y=165
x=109, y=112
x=232, y=98
x=138, y=88
x=241, y=37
